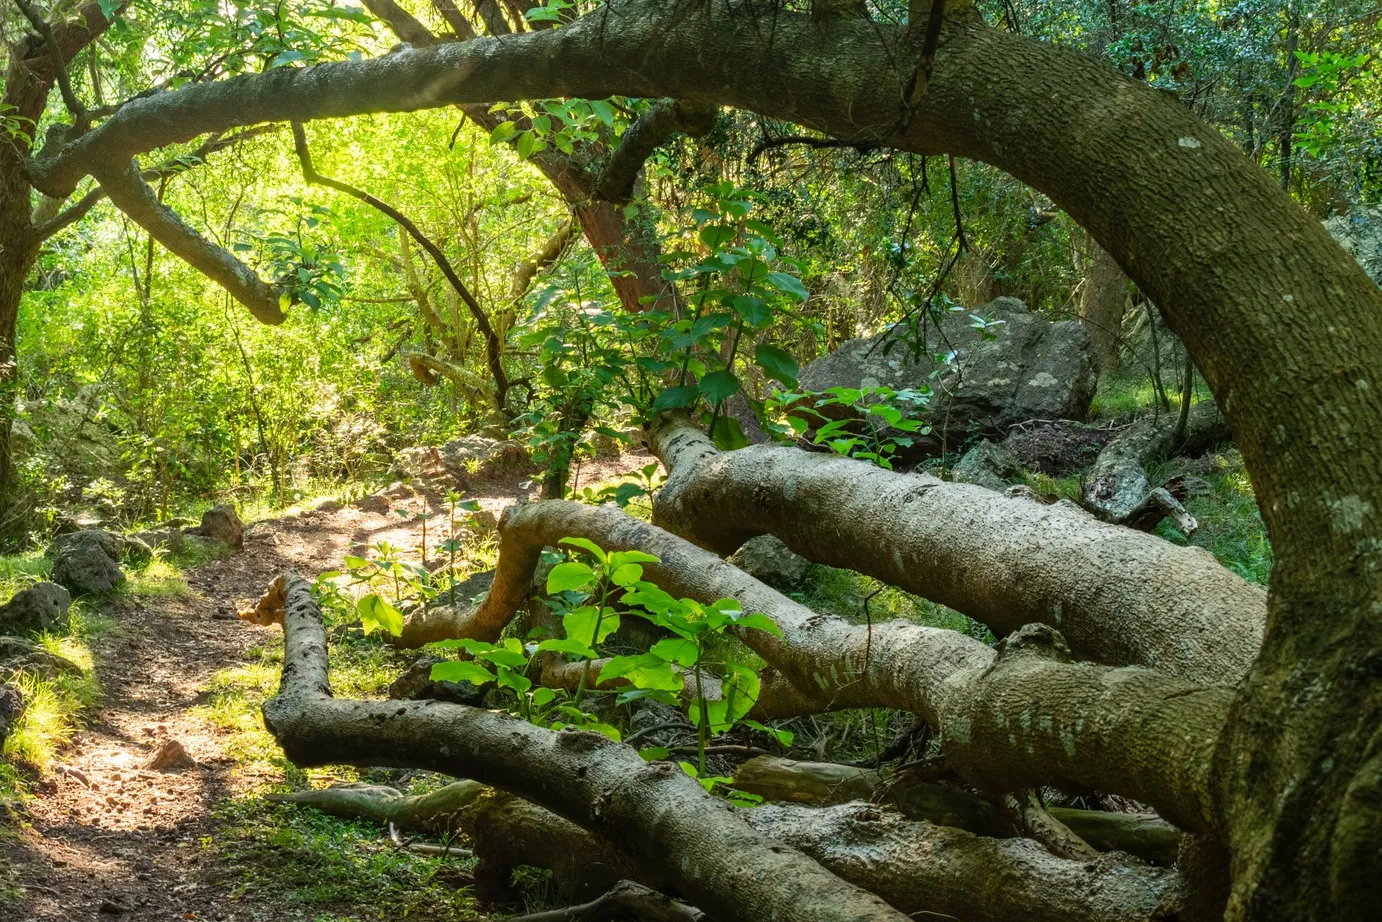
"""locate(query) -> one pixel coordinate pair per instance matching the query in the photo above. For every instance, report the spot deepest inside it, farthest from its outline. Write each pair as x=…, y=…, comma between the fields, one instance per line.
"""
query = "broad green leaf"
x=582, y=624
x=727, y=434
x=789, y=284
x=587, y=545
x=567, y=645
x=759, y=622
x=654, y=753
x=504, y=131
x=754, y=310
x=677, y=650
x=719, y=385
x=646, y=670
x=619, y=558
x=543, y=696
x=375, y=614
x=717, y=235
x=675, y=398
x=514, y=680
x=777, y=364
x=626, y=575
x=454, y=671
x=570, y=575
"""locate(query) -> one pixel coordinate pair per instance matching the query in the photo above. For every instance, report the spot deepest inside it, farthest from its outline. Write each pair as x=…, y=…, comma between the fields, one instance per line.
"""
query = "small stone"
x=987, y=465
x=222, y=523
x=171, y=756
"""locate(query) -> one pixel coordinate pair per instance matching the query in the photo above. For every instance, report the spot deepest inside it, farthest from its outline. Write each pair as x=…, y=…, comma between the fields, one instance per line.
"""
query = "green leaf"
x=777, y=364
x=788, y=284
x=759, y=622
x=586, y=545
x=626, y=492
x=754, y=310
x=619, y=558
x=568, y=645
x=654, y=753
x=717, y=235
x=582, y=624
x=675, y=398
x=603, y=111
x=454, y=671
x=727, y=434
x=677, y=650
x=527, y=143
x=646, y=671
x=570, y=575
x=626, y=575
x=375, y=614
x=514, y=680
x=504, y=131
x=543, y=696
x=719, y=385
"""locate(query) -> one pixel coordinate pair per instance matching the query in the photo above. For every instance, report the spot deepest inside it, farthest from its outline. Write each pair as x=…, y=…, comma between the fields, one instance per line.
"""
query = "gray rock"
x=769, y=560
x=20, y=655
x=1360, y=232
x=23, y=442
x=88, y=561
x=416, y=683
x=37, y=608
x=1032, y=368
x=221, y=523
x=454, y=463
x=11, y=709
x=987, y=465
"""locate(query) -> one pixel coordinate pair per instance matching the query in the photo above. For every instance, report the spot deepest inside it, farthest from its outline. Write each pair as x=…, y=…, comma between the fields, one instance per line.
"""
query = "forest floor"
x=105, y=837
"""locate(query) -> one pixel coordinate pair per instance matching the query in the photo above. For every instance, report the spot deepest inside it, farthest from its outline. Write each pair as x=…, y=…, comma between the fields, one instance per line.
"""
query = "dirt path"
x=110, y=839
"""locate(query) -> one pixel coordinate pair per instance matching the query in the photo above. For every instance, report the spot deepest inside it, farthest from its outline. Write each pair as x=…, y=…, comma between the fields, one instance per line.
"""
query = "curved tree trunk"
x=1118, y=596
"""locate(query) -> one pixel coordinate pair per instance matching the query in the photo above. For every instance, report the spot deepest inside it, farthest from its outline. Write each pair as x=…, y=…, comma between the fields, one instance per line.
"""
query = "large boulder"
x=770, y=561
x=987, y=465
x=88, y=561
x=221, y=523
x=20, y=655
x=1360, y=232
x=37, y=608
x=453, y=464
x=1028, y=367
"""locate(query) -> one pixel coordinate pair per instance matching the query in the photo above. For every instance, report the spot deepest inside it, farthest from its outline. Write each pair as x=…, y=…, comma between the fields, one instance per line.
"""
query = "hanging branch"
x=494, y=349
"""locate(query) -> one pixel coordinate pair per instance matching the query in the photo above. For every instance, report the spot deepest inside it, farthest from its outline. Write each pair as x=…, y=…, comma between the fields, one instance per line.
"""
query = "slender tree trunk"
x=1102, y=302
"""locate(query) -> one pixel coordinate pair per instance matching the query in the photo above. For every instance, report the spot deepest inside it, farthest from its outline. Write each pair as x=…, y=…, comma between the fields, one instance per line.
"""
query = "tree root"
x=625, y=900
x=1120, y=597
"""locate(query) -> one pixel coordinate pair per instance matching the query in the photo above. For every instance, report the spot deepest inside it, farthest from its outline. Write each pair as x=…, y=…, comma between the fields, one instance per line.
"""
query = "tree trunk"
x=1102, y=303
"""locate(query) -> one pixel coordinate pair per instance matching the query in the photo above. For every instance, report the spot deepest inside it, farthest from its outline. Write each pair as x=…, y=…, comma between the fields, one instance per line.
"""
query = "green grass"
x=53, y=707
x=1064, y=487
x=337, y=869
x=1230, y=524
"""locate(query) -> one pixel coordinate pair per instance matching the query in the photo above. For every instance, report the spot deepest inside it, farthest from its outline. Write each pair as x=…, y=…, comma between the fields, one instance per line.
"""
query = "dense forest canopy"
x=258, y=252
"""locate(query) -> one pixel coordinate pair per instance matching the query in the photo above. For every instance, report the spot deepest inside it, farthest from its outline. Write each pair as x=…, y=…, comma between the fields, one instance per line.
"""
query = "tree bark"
x=1102, y=303
x=1018, y=718
x=1119, y=597
x=650, y=809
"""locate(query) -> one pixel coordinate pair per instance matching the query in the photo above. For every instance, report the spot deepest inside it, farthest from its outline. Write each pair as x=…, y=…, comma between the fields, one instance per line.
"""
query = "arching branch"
x=649, y=131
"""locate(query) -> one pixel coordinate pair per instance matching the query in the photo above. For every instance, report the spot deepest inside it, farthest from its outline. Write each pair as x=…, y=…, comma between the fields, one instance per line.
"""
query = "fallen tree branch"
x=716, y=858
x=1016, y=718
x=820, y=783
x=921, y=869
x=625, y=900
x=1119, y=596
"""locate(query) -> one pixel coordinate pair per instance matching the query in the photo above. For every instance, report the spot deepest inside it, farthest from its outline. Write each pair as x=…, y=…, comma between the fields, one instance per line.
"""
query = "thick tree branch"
x=137, y=200
x=83, y=206
x=648, y=132
x=1120, y=597
x=650, y=809
x=80, y=118
x=1020, y=718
